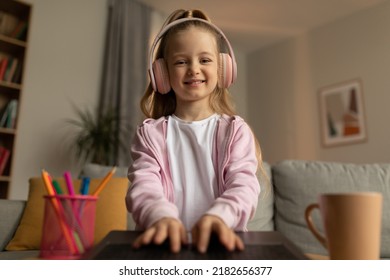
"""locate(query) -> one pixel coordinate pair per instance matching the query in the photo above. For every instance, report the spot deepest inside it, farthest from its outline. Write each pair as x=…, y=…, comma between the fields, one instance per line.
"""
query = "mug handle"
x=311, y=225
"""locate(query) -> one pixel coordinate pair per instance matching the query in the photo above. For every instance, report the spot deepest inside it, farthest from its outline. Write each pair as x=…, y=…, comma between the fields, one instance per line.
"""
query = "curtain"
x=125, y=70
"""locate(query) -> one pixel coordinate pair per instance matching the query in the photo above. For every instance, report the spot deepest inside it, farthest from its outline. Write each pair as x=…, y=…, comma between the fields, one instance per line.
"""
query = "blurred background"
x=286, y=52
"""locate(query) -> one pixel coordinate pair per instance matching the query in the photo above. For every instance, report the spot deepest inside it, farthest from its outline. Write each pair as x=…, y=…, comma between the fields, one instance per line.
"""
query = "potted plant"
x=97, y=139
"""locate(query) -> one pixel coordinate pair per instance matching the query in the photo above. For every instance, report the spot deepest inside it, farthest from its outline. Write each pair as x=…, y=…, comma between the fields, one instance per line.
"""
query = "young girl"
x=195, y=162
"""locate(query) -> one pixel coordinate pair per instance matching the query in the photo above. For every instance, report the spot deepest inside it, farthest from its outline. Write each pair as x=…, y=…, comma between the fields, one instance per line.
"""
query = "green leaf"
x=95, y=137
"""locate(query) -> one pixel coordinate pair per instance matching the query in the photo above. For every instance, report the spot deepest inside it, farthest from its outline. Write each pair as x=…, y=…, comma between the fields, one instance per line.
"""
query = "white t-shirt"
x=190, y=146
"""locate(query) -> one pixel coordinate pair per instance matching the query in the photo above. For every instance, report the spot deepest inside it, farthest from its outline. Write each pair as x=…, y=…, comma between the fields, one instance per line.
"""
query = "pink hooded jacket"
x=151, y=195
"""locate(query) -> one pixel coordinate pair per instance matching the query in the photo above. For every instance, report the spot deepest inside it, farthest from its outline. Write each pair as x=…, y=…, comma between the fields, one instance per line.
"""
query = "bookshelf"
x=14, y=23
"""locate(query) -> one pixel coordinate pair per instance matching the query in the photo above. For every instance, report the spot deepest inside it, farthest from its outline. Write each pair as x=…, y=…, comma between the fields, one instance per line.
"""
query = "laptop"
x=270, y=245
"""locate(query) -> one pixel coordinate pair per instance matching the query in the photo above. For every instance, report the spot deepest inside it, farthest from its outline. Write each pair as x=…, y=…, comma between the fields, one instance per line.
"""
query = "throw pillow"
x=111, y=213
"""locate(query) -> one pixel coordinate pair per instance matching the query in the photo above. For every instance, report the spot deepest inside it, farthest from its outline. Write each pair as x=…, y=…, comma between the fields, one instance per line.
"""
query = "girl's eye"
x=205, y=60
x=180, y=62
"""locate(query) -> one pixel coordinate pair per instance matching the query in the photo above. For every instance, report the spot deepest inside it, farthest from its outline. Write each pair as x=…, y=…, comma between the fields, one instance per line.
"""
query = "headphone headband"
x=177, y=22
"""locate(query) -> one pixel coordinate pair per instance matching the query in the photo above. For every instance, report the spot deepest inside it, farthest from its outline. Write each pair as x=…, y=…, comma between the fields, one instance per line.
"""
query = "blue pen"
x=85, y=186
x=84, y=189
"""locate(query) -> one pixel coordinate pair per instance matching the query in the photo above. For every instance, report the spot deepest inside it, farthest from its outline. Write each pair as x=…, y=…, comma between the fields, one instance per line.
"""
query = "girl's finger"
x=145, y=238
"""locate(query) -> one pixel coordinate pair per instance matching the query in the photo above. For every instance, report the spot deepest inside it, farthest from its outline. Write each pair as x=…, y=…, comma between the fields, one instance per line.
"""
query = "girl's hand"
x=209, y=224
x=166, y=228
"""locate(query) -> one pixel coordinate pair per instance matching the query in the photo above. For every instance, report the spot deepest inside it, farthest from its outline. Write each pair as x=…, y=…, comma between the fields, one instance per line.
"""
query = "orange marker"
x=104, y=181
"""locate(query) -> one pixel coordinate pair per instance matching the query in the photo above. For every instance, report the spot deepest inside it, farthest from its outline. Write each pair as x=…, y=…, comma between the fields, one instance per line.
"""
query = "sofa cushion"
x=298, y=184
x=110, y=212
x=263, y=218
x=10, y=213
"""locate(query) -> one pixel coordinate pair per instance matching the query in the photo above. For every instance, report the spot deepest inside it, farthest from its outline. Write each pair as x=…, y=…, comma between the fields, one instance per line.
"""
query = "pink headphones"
x=158, y=72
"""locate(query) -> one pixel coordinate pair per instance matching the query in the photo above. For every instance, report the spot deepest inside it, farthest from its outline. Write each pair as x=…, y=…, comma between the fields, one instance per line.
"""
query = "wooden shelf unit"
x=15, y=47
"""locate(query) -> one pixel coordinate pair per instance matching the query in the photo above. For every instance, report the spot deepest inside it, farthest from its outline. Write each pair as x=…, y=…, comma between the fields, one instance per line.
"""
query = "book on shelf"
x=17, y=77
x=20, y=30
x=4, y=114
x=8, y=118
x=4, y=157
x=8, y=67
x=3, y=65
x=11, y=120
x=11, y=68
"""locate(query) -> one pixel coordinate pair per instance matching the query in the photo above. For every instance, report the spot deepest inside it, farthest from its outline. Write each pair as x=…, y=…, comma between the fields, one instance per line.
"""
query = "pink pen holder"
x=68, y=226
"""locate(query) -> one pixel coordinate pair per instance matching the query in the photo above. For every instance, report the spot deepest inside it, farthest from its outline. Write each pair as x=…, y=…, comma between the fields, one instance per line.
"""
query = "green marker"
x=57, y=187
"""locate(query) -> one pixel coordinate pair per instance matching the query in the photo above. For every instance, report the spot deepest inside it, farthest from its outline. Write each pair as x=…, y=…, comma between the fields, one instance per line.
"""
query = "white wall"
x=63, y=65
x=239, y=90
x=284, y=80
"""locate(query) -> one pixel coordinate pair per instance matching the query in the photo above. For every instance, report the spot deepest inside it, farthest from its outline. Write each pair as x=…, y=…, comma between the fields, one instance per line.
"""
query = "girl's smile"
x=194, y=82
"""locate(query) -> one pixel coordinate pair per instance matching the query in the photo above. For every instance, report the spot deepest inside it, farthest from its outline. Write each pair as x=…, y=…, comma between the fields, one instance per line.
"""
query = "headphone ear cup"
x=161, y=77
x=225, y=70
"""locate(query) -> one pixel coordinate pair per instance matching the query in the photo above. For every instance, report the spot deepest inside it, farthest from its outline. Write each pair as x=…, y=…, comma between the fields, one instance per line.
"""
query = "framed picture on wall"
x=342, y=113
